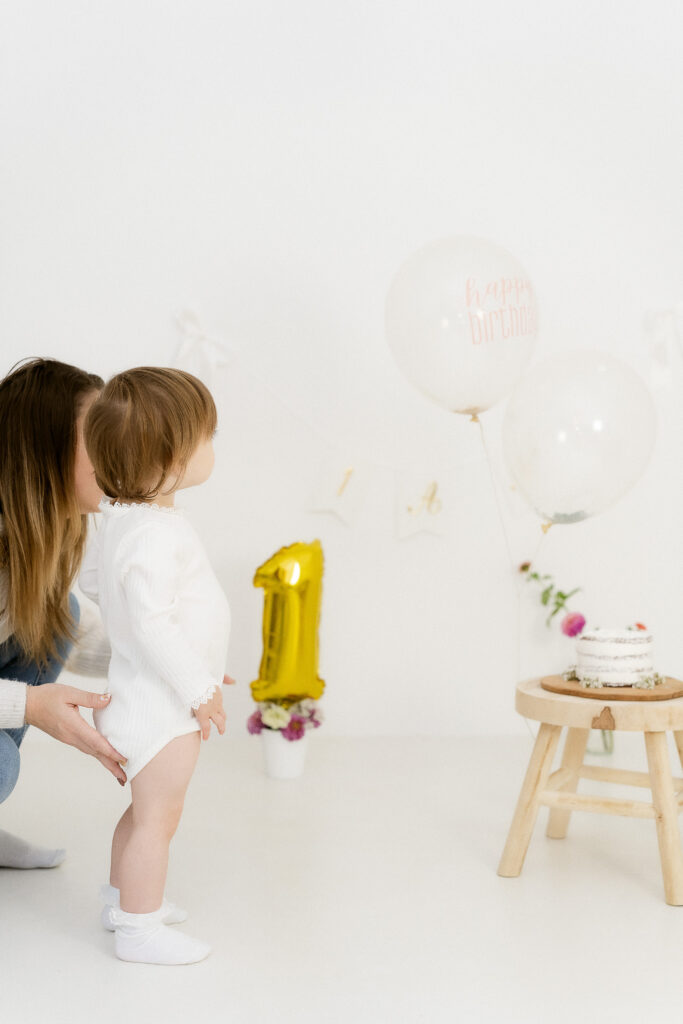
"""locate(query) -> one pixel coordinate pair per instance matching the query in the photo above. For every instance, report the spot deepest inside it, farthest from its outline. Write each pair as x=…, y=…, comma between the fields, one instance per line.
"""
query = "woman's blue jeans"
x=13, y=665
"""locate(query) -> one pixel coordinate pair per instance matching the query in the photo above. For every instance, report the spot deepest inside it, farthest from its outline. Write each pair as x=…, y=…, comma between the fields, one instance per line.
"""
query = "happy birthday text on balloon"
x=513, y=313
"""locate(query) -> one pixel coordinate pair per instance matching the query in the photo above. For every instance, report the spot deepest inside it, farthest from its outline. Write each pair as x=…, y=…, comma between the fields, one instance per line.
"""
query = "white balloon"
x=578, y=432
x=461, y=322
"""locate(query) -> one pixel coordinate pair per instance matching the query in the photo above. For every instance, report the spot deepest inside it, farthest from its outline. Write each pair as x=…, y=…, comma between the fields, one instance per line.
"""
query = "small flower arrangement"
x=291, y=720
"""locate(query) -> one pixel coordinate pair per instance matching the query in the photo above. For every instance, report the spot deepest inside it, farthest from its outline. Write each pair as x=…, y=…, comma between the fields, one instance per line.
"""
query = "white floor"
x=364, y=892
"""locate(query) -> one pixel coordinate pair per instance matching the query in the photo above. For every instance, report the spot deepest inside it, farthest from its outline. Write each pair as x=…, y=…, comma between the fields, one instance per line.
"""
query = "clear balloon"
x=578, y=432
x=461, y=322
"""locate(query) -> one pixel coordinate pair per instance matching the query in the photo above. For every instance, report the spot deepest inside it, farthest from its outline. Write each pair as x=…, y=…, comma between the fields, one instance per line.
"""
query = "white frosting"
x=615, y=657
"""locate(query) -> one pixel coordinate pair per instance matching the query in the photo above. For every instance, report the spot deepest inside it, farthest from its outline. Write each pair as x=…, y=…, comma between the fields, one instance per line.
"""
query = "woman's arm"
x=149, y=570
x=89, y=656
x=12, y=704
x=54, y=709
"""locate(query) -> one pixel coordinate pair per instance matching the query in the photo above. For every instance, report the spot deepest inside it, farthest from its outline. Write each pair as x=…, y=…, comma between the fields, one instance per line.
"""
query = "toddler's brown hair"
x=145, y=423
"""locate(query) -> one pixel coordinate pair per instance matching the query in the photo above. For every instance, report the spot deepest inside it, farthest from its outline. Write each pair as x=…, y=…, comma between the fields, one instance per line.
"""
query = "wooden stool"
x=558, y=790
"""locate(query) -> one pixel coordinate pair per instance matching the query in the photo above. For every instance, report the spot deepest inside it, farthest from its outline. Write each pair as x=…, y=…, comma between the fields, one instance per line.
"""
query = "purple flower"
x=573, y=623
x=296, y=728
x=254, y=723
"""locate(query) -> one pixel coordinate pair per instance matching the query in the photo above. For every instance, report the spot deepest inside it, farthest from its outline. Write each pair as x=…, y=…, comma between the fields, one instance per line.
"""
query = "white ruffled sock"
x=111, y=897
x=145, y=939
x=17, y=853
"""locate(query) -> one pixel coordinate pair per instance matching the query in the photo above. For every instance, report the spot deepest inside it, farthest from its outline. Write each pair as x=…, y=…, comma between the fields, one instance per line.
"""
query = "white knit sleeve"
x=91, y=653
x=12, y=704
x=148, y=561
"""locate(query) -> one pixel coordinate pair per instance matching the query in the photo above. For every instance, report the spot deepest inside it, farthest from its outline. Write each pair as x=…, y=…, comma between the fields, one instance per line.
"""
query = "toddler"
x=149, y=434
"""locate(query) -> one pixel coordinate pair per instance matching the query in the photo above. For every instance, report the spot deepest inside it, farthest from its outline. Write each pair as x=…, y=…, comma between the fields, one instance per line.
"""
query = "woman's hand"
x=53, y=708
x=212, y=711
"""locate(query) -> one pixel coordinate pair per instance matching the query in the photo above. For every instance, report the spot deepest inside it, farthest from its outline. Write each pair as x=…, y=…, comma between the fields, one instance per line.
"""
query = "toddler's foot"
x=110, y=895
x=17, y=853
x=145, y=939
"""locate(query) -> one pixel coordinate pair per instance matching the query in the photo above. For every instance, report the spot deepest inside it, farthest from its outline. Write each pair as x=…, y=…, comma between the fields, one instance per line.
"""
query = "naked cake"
x=615, y=657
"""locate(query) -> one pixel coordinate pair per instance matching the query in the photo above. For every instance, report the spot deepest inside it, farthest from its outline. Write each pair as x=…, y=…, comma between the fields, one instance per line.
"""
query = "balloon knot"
x=546, y=526
x=474, y=418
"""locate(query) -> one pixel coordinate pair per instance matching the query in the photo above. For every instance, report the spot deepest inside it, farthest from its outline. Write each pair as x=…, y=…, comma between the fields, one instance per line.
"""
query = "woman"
x=47, y=489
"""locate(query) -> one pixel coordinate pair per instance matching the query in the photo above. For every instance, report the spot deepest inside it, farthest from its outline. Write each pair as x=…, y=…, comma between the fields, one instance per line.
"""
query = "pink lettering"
x=514, y=317
x=475, y=328
x=471, y=292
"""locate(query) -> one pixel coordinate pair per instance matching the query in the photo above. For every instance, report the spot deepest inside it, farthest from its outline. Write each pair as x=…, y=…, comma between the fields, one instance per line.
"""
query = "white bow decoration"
x=198, y=352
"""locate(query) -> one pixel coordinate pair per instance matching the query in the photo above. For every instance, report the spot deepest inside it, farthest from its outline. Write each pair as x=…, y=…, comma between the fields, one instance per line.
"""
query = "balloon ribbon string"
x=513, y=566
x=544, y=534
x=495, y=494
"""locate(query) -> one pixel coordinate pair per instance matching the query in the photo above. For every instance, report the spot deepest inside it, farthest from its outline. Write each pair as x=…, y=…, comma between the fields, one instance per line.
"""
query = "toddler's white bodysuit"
x=168, y=623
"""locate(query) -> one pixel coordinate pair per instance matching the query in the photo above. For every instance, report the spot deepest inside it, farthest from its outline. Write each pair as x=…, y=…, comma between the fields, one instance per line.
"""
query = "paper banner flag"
x=421, y=503
x=198, y=352
x=341, y=486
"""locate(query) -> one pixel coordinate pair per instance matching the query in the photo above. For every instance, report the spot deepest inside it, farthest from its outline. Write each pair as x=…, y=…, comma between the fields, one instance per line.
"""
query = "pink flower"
x=573, y=623
x=254, y=723
x=296, y=728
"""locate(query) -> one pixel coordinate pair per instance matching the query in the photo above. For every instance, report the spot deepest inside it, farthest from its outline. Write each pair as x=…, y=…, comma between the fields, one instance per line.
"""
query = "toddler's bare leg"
x=121, y=836
x=158, y=792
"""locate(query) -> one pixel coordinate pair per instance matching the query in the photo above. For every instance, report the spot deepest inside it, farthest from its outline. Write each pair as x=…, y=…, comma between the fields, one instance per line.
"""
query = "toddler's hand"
x=212, y=711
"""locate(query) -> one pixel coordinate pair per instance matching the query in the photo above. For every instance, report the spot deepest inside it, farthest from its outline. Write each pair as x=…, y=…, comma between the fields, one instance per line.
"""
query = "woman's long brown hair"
x=44, y=537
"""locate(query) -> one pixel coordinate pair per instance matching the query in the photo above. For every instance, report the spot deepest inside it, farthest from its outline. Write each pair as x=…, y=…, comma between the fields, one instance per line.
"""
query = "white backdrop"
x=269, y=166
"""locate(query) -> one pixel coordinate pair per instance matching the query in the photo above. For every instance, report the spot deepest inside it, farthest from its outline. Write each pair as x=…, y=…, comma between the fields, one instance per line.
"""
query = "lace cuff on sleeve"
x=205, y=697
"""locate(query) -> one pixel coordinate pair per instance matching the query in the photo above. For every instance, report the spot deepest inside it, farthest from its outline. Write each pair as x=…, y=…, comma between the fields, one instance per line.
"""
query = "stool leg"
x=526, y=812
x=678, y=736
x=572, y=758
x=666, y=816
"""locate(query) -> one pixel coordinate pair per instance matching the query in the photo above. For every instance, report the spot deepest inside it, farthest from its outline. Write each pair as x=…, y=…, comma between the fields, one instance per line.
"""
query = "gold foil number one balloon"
x=292, y=580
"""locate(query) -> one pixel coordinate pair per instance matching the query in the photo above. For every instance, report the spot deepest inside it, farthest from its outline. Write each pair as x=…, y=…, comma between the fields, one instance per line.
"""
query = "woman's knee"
x=10, y=761
x=74, y=607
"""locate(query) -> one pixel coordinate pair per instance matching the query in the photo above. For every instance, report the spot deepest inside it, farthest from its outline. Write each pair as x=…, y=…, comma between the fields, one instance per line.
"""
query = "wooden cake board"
x=667, y=690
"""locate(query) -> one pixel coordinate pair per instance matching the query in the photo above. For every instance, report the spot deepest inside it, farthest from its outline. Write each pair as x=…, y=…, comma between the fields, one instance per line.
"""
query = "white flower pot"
x=284, y=758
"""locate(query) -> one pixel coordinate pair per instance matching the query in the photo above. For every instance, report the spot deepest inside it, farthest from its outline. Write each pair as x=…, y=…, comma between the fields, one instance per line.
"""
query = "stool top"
x=532, y=701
